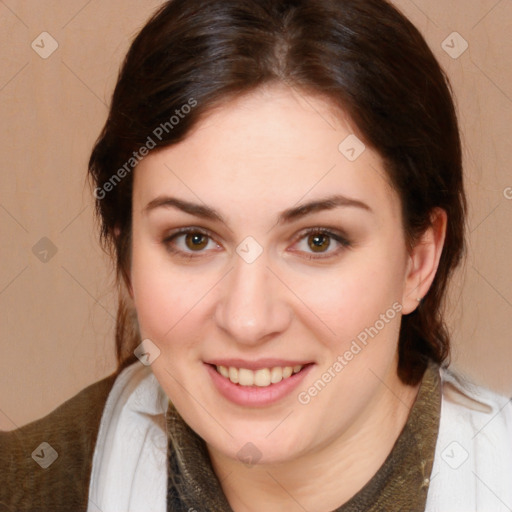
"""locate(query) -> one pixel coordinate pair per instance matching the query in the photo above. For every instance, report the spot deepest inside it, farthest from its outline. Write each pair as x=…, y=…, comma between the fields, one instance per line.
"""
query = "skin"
x=250, y=159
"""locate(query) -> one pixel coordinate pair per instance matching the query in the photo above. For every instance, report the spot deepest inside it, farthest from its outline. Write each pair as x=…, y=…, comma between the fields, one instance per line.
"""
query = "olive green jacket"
x=71, y=430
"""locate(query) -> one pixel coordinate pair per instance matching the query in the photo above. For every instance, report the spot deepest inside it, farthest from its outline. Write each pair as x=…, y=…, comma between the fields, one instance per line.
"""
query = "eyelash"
x=336, y=236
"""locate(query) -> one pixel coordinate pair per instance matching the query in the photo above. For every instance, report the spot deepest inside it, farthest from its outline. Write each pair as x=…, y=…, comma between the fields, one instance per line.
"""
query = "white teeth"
x=233, y=375
x=263, y=377
x=276, y=375
x=245, y=377
x=287, y=371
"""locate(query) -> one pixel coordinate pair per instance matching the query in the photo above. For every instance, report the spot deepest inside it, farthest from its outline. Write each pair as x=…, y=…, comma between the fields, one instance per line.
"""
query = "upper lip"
x=258, y=364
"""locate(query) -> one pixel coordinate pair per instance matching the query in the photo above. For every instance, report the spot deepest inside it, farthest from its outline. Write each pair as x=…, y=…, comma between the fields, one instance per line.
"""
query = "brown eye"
x=322, y=243
x=189, y=242
x=196, y=241
x=319, y=242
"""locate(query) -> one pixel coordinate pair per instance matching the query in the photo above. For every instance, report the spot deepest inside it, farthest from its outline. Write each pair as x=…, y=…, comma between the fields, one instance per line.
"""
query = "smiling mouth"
x=263, y=377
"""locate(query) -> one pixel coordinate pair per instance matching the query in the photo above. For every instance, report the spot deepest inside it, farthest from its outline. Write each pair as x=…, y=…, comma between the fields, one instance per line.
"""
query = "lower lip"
x=256, y=396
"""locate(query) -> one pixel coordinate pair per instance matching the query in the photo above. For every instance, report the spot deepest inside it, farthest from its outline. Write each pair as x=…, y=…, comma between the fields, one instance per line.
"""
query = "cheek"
x=352, y=297
x=162, y=297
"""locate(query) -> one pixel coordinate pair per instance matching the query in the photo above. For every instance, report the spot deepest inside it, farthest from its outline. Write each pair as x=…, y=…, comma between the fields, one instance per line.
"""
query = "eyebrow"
x=286, y=216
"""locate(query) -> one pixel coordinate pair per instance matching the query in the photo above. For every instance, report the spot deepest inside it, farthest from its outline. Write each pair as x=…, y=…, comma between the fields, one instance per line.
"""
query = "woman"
x=280, y=184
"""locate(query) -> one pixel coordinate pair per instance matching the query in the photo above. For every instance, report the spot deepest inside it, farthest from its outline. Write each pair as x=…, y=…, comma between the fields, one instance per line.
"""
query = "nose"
x=252, y=306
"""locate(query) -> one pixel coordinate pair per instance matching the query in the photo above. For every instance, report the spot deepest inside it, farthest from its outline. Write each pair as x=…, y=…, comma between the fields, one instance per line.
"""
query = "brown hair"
x=363, y=55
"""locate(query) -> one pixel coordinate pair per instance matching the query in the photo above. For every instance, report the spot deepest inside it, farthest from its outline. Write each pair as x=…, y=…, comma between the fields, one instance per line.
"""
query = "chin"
x=261, y=449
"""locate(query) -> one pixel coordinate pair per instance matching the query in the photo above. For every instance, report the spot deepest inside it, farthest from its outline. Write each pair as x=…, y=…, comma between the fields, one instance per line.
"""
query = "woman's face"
x=270, y=278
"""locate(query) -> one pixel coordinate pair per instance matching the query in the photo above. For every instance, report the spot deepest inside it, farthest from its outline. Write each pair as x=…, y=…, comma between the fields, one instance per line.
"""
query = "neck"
x=327, y=476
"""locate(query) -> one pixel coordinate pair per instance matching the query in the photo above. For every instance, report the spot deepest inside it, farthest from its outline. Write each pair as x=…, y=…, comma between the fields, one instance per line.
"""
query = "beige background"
x=57, y=317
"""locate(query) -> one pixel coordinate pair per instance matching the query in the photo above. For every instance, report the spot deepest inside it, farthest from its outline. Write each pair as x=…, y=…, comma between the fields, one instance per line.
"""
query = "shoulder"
x=461, y=390
x=473, y=459
x=46, y=464
x=474, y=409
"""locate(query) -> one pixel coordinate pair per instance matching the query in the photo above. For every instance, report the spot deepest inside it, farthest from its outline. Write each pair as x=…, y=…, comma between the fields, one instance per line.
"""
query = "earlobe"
x=423, y=261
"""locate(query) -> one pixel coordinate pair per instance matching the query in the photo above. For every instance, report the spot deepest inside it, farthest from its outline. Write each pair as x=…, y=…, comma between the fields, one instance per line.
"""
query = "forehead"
x=272, y=123
x=275, y=143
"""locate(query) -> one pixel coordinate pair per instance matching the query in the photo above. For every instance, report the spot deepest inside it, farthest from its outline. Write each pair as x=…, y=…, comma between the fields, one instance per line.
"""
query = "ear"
x=423, y=261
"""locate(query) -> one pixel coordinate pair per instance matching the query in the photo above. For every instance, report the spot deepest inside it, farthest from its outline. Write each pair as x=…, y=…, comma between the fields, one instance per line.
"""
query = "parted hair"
x=364, y=56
